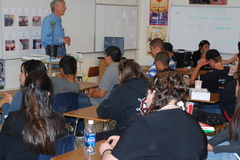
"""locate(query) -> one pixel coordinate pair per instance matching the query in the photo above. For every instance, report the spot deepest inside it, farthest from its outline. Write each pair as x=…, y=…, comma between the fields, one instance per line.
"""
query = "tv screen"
x=114, y=41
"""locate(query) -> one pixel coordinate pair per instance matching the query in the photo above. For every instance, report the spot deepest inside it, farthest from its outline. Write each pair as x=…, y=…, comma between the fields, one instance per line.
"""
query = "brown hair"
x=157, y=42
x=168, y=85
x=130, y=69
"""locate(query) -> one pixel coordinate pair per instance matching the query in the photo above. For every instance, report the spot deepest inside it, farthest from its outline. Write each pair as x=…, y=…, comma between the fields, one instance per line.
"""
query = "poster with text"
x=210, y=2
x=158, y=14
x=156, y=32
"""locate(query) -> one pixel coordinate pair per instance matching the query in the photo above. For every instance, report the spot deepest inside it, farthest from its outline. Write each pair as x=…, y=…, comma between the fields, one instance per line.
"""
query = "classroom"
x=87, y=22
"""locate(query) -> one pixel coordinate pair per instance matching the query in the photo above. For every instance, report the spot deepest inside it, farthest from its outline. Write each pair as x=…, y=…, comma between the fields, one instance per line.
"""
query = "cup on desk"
x=198, y=84
x=189, y=106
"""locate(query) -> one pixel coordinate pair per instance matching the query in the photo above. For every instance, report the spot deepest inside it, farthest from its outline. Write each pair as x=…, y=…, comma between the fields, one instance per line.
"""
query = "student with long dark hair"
x=34, y=129
x=203, y=47
x=9, y=103
x=226, y=145
x=166, y=132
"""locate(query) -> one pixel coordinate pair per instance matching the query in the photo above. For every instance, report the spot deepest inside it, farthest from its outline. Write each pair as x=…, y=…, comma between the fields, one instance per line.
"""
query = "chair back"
x=64, y=145
x=65, y=102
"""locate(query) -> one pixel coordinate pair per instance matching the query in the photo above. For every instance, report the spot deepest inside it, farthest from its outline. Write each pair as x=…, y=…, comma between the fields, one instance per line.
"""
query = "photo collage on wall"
x=22, y=30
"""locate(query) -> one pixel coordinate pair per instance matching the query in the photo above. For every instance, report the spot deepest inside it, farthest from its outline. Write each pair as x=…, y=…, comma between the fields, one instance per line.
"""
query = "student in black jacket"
x=123, y=101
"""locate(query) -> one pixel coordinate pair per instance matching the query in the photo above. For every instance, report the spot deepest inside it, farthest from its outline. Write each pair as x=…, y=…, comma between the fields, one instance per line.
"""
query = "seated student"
x=213, y=79
x=34, y=128
x=226, y=145
x=156, y=46
x=65, y=80
x=109, y=79
x=162, y=61
x=203, y=47
x=9, y=103
x=234, y=58
x=123, y=101
x=166, y=132
x=180, y=65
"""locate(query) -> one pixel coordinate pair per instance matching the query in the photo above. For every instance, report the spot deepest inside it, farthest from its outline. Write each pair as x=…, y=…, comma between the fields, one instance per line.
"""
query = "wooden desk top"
x=0, y=127
x=214, y=98
x=86, y=113
x=190, y=71
x=87, y=85
x=12, y=92
x=78, y=154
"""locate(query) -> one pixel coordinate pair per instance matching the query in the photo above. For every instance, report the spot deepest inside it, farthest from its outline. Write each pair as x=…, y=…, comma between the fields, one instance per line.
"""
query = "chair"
x=64, y=145
x=65, y=102
x=226, y=116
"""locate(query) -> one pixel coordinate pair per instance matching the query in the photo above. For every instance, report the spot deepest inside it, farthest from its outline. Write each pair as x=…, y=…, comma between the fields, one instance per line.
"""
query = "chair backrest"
x=64, y=145
x=65, y=102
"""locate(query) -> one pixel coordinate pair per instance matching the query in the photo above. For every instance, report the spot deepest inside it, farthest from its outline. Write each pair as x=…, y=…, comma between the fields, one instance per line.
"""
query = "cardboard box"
x=199, y=94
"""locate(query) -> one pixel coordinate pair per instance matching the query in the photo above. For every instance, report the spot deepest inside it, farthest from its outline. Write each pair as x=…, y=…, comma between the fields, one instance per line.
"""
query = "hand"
x=233, y=69
x=90, y=91
x=209, y=147
x=106, y=144
x=203, y=62
x=67, y=40
x=8, y=98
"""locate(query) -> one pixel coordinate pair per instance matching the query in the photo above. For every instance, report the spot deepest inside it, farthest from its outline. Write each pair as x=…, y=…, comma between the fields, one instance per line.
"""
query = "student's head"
x=58, y=7
x=28, y=66
x=112, y=54
x=168, y=46
x=213, y=56
x=204, y=46
x=42, y=123
x=129, y=69
x=162, y=60
x=156, y=45
x=165, y=87
x=68, y=65
x=239, y=46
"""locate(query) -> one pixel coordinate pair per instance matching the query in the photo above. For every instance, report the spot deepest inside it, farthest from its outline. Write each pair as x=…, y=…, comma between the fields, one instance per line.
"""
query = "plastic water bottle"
x=90, y=138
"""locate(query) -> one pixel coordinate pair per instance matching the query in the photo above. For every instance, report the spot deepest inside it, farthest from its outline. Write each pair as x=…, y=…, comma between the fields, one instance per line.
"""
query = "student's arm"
x=96, y=93
x=106, y=148
x=234, y=58
x=194, y=75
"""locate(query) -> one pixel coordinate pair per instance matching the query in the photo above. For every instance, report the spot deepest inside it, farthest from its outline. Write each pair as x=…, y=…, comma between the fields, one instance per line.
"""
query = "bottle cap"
x=90, y=121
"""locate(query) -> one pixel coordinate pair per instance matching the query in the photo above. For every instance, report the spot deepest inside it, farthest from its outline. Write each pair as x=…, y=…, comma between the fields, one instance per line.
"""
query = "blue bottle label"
x=90, y=140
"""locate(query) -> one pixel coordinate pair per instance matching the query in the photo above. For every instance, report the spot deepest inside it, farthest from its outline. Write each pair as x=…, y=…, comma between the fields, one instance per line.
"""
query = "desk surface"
x=214, y=98
x=86, y=113
x=12, y=92
x=87, y=85
x=190, y=71
x=78, y=154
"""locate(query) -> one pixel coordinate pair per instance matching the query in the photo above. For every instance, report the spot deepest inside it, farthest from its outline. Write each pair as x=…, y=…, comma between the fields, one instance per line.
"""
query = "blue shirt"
x=46, y=32
x=153, y=71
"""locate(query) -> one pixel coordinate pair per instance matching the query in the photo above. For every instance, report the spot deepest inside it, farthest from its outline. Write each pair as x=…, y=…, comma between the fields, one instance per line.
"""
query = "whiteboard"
x=116, y=21
x=219, y=25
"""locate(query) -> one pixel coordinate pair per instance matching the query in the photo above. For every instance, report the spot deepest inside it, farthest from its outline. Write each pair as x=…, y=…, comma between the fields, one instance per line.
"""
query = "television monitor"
x=114, y=41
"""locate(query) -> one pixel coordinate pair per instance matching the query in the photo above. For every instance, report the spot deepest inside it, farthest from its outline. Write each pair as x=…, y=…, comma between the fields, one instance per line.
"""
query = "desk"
x=12, y=92
x=214, y=98
x=78, y=154
x=85, y=113
x=190, y=71
x=87, y=85
x=50, y=65
x=0, y=127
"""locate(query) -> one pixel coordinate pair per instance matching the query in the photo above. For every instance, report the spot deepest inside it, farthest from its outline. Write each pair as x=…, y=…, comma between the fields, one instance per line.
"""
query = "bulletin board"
x=116, y=21
x=220, y=25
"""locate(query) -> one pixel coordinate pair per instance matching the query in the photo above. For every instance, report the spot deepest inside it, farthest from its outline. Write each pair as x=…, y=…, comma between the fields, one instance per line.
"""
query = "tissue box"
x=199, y=94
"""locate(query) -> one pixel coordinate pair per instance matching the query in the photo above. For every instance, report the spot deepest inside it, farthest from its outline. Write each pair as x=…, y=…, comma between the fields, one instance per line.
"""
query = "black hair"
x=163, y=57
x=33, y=65
x=114, y=52
x=68, y=64
x=202, y=43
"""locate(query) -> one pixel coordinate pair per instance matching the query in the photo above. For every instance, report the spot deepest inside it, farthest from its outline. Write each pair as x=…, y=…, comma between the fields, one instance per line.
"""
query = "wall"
x=143, y=10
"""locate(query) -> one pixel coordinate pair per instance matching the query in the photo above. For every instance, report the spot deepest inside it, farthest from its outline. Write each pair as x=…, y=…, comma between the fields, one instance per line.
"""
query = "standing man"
x=156, y=46
x=59, y=39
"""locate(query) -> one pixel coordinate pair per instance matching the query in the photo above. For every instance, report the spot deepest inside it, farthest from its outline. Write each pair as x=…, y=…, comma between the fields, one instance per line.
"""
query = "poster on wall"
x=8, y=17
x=158, y=14
x=2, y=74
x=10, y=44
x=210, y=2
x=156, y=32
